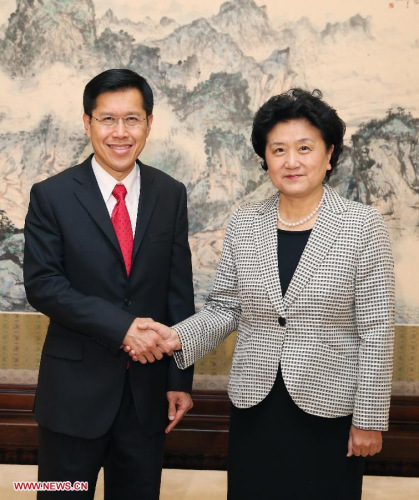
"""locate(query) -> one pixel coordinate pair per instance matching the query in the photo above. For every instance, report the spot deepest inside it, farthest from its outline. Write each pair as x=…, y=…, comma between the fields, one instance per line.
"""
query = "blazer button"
x=127, y=302
x=282, y=321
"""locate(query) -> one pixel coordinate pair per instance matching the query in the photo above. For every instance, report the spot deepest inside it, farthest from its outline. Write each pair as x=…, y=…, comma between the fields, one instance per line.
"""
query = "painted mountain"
x=209, y=77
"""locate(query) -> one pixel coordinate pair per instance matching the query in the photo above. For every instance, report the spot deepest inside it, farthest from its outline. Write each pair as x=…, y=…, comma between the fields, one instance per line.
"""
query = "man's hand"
x=364, y=443
x=179, y=404
x=167, y=335
x=144, y=345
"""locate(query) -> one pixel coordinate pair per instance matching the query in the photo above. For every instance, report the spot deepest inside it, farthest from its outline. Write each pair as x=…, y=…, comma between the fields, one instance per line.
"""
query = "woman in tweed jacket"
x=306, y=278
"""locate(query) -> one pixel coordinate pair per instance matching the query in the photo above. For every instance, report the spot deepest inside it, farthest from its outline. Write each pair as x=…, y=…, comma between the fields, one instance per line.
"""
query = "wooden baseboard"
x=200, y=441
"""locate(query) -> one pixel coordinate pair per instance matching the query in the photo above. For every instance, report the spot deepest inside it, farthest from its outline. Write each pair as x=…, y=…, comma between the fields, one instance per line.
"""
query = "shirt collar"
x=107, y=182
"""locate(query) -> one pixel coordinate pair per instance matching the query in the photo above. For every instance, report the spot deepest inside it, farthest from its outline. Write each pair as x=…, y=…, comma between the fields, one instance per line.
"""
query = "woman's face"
x=297, y=158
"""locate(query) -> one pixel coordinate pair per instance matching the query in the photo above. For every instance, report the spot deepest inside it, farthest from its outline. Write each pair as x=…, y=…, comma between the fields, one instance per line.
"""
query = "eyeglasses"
x=131, y=121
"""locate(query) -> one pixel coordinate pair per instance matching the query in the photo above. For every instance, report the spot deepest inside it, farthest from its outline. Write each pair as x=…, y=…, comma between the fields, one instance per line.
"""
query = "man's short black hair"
x=298, y=104
x=112, y=80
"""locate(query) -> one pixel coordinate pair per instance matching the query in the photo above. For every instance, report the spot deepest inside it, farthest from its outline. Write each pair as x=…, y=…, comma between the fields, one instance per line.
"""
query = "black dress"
x=279, y=452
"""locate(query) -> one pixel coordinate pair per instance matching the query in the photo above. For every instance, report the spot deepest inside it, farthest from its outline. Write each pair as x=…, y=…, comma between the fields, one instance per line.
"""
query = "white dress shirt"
x=132, y=183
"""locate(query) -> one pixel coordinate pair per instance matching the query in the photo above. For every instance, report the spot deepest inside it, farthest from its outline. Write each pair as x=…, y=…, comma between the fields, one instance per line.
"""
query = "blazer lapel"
x=148, y=198
x=323, y=235
x=266, y=241
x=88, y=193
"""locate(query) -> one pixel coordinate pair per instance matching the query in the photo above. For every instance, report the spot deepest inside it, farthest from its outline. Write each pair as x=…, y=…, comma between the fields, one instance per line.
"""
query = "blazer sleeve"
x=180, y=303
x=221, y=312
x=49, y=291
x=374, y=308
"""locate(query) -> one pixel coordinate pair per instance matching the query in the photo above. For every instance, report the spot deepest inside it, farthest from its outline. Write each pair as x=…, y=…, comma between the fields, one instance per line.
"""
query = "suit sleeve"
x=180, y=304
x=221, y=312
x=50, y=292
x=374, y=306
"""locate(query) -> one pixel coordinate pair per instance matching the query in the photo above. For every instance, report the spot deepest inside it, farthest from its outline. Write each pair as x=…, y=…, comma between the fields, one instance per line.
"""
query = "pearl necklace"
x=302, y=221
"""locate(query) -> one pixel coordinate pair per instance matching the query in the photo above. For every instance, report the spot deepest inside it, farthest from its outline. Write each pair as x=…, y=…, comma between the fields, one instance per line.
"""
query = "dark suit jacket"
x=74, y=273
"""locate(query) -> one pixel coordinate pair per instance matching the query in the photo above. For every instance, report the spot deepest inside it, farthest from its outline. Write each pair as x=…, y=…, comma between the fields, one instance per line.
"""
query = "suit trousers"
x=132, y=461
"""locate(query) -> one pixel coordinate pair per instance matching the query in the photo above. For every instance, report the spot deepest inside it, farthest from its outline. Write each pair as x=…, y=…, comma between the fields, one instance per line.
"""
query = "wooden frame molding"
x=201, y=439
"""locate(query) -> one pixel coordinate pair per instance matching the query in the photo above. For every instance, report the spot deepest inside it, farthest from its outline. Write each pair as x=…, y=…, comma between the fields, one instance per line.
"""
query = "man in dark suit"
x=106, y=245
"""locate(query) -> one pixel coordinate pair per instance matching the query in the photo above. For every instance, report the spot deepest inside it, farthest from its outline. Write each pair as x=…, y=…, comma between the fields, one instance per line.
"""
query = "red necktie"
x=122, y=225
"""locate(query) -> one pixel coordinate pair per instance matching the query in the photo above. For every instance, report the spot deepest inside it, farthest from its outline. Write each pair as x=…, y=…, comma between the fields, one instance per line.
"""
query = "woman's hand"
x=364, y=443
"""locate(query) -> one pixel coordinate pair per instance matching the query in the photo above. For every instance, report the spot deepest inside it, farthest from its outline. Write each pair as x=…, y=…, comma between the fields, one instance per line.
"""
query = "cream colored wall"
x=23, y=337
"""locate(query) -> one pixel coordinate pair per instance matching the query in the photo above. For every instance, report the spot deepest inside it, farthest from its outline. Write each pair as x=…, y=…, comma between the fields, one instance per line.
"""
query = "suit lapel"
x=326, y=230
x=88, y=193
x=266, y=241
x=148, y=198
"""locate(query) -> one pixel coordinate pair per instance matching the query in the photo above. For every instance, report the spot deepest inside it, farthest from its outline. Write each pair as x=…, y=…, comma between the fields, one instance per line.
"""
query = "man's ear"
x=149, y=122
x=86, y=122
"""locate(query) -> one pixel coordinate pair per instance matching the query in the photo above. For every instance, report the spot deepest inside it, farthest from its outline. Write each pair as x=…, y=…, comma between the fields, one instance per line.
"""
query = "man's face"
x=117, y=147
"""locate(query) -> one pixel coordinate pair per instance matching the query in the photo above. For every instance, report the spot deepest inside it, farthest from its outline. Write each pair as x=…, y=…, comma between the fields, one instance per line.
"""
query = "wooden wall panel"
x=201, y=439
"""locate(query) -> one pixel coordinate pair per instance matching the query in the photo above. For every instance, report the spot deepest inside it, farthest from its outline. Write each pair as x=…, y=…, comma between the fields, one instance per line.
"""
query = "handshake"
x=146, y=340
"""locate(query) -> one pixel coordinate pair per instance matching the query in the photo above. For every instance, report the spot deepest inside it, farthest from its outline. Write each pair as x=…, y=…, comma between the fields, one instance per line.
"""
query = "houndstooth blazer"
x=332, y=332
